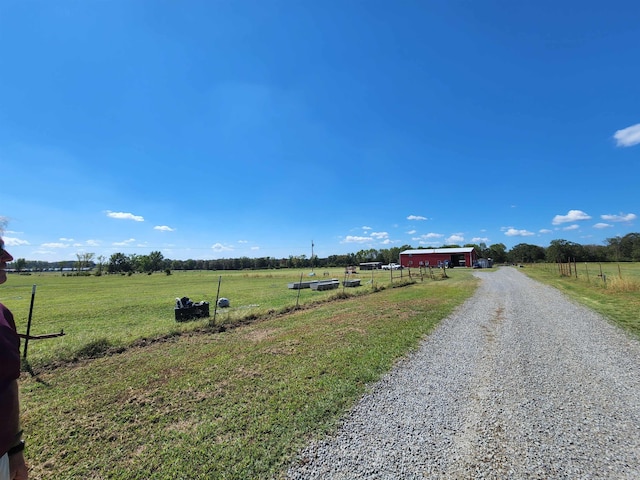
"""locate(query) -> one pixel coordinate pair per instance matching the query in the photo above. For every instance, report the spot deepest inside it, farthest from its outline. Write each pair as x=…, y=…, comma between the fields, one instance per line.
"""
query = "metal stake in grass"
x=215, y=308
x=299, y=288
x=26, y=340
x=27, y=336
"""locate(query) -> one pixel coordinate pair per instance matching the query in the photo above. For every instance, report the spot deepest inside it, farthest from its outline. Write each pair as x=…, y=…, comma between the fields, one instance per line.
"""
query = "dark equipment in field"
x=185, y=309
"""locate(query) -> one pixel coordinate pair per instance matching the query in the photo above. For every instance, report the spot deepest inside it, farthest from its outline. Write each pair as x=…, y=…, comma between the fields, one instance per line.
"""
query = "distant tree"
x=595, y=253
x=84, y=260
x=564, y=251
x=20, y=264
x=101, y=259
x=119, y=263
x=625, y=249
x=497, y=252
x=526, y=253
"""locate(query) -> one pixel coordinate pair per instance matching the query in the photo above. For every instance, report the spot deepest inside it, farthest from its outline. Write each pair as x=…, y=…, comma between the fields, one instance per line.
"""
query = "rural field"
x=191, y=400
x=113, y=311
x=198, y=402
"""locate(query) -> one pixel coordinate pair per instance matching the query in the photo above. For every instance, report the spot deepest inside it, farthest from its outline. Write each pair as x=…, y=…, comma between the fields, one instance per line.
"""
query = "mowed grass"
x=232, y=405
x=114, y=311
x=612, y=289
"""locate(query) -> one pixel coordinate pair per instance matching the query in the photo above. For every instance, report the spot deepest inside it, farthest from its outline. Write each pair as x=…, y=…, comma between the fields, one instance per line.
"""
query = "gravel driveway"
x=518, y=383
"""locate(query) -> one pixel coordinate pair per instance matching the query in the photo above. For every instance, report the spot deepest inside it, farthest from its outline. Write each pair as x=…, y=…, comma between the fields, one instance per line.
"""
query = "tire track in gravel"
x=518, y=383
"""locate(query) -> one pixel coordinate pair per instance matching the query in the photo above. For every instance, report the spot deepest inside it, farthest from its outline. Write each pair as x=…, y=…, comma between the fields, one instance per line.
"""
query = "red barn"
x=434, y=257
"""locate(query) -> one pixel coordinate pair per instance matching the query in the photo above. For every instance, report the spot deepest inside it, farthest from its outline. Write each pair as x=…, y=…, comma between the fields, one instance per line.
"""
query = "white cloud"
x=513, y=232
x=602, y=225
x=124, y=216
x=411, y=232
x=416, y=217
x=218, y=247
x=571, y=227
x=545, y=230
x=386, y=242
x=628, y=137
x=255, y=248
x=164, y=228
x=366, y=228
x=479, y=240
x=455, y=238
x=379, y=235
x=356, y=239
x=92, y=243
x=243, y=241
x=66, y=239
x=55, y=245
x=124, y=243
x=14, y=242
x=571, y=216
x=620, y=218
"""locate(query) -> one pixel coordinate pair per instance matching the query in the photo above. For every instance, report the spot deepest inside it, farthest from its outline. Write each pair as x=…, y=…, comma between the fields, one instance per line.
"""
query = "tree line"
x=617, y=249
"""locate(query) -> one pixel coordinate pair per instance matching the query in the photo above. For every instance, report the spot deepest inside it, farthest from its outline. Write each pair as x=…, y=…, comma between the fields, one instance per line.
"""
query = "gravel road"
x=519, y=383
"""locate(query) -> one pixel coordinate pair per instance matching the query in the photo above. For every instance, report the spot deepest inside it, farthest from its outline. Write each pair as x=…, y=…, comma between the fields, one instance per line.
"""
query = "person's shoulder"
x=6, y=317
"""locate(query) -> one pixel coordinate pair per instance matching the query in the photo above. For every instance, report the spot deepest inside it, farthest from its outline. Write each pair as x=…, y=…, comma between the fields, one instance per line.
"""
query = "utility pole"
x=311, y=255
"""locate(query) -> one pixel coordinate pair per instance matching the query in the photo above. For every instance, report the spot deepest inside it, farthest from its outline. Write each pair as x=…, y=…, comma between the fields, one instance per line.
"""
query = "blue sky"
x=250, y=128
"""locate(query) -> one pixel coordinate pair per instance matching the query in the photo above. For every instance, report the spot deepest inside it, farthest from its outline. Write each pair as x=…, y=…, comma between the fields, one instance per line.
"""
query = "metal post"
x=26, y=340
x=215, y=308
x=299, y=288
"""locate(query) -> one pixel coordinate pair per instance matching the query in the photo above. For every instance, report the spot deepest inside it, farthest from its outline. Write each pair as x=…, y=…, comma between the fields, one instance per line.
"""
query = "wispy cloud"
x=514, y=232
x=124, y=216
x=356, y=239
x=416, y=217
x=55, y=245
x=545, y=230
x=366, y=228
x=379, y=235
x=124, y=243
x=164, y=228
x=623, y=217
x=479, y=240
x=411, y=232
x=571, y=216
x=628, y=137
x=14, y=242
x=571, y=227
x=219, y=247
x=455, y=238
x=602, y=225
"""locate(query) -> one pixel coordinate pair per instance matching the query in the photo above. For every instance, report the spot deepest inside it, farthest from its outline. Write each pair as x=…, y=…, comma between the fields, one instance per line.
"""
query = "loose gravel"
x=519, y=383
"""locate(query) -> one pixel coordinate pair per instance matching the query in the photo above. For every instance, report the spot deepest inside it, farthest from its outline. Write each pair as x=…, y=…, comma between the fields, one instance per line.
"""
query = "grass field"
x=236, y=404
x=114, y=311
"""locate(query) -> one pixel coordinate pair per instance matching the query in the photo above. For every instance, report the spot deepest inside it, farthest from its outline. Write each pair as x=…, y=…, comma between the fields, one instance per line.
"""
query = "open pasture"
x=236, y=404
x=113, y=311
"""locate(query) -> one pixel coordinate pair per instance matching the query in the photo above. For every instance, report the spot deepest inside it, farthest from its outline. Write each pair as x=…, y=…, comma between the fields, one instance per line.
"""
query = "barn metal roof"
x=437, y=250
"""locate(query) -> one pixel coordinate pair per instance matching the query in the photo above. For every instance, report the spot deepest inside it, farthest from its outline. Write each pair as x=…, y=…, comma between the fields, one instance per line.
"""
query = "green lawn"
x=237, y=404
x=97, y=313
